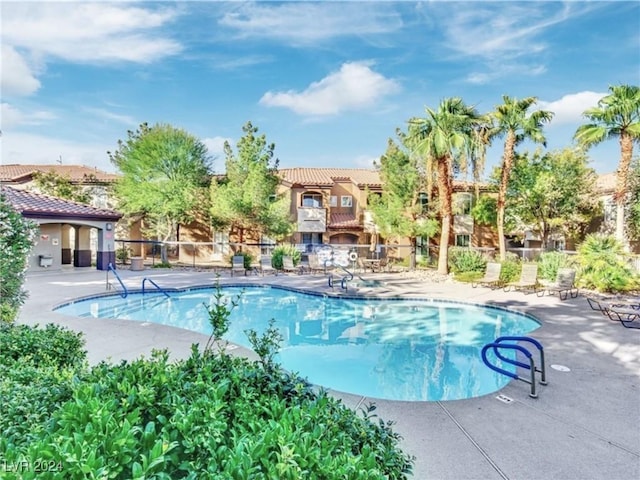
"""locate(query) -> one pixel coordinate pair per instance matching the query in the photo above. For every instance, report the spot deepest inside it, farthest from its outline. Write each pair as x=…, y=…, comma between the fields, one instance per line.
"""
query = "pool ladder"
x=147, y=279
x=124, y=291
x=500, y=344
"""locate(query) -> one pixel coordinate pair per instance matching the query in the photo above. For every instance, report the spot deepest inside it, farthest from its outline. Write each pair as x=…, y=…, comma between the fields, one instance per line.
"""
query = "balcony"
x=312, y=220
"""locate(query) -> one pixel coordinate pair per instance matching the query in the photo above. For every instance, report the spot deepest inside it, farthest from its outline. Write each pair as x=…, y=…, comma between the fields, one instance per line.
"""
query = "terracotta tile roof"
x=31, y=205
x=343, y=220
x=606, y=183
x=76, y=173
x=328, y=176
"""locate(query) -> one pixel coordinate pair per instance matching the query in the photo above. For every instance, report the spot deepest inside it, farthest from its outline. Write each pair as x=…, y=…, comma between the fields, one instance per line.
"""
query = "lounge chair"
x=237, y=265
x=627, y=315
x=528, y=279
x=564, y=284
x=288, y=266
x=266, y=266
x=491, y=276
x=314, y=264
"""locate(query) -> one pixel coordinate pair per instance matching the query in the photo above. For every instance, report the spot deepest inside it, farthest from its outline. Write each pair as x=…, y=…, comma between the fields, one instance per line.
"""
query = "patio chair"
x=564, y=284
x=237, y=265
x=266, y=266
x=528, y=279
x=491, y=276
x=288, y=266
x=628, y=317
x=314, y=263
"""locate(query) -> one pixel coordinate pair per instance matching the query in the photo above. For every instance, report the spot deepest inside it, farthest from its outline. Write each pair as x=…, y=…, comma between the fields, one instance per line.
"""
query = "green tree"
x=452, y=135
x=513, y=121
x=246, y=197
x=400, y=210
x=552, y=193
x=617, y=115
x=16, y=240
x=165, y=174
x=51, y=183
x=633, y=203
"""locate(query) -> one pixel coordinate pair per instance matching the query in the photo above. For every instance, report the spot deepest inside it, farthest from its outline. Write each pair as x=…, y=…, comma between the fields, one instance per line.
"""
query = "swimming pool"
x=395, y=349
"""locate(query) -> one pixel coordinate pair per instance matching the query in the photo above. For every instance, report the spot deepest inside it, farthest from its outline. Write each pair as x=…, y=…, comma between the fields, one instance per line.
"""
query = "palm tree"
x=451, y=135
x=512, y=120
x=617, y=115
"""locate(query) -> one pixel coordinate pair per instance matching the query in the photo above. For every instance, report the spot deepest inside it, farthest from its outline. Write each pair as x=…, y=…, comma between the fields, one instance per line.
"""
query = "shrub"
x=604, y=267
x=37, y=370
x=511, y=268
x=550, y=262
x=285, y=251
x=16, y=240
x=463, y=260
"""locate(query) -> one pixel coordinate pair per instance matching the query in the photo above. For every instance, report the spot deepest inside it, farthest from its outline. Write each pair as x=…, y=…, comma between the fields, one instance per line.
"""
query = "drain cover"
x=561, y=368
x=504, y=399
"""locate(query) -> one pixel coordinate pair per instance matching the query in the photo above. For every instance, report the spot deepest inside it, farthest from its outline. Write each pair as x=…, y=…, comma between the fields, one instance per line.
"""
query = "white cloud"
x=88, y=32
x=11, y=117
x=215, y=145
x=364, y=161
x=23, y=148
x=17, y=77
x=304, y=23
x=570, y=107
x=108, y=115
x=504, y=36
x=354, y=87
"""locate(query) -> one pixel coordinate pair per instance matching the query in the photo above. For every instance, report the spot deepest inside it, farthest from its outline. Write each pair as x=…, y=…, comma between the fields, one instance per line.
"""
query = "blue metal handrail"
x=531, y=366
x=125, y=292
x=147, y=279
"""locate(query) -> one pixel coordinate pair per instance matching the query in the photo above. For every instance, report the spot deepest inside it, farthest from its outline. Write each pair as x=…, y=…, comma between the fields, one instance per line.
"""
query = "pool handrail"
x=534, y=342
x=531, y=367
x=124, y=292
x=147, y=279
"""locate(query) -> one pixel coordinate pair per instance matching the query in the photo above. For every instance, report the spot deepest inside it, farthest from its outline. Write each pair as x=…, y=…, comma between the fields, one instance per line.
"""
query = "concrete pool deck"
x=585, y=424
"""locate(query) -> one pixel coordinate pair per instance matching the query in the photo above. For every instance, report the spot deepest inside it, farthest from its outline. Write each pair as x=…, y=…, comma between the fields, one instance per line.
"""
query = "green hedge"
x=210, y=416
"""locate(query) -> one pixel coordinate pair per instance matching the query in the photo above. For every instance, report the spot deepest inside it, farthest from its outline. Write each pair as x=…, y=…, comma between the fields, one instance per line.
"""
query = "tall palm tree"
x=513, y=121
x=448, y=136
x=617, y=115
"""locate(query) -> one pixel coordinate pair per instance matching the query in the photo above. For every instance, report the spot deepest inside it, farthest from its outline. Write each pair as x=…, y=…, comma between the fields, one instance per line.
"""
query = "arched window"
x=312, y=199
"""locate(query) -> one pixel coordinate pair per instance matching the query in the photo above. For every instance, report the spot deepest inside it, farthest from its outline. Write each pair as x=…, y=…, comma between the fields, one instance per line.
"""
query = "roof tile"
x=31, y=204
x=76, y=173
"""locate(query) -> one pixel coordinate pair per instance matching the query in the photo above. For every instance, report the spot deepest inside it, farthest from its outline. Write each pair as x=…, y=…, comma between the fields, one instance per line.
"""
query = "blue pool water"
x=389, y=349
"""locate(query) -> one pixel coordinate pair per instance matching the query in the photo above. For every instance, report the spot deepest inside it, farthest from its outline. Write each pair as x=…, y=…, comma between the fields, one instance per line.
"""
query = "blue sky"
x=327, y=82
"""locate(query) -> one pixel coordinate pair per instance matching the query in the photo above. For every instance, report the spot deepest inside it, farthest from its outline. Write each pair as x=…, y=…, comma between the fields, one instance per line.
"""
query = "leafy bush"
x=511, y=268
x=285, y=251
x=550, y=262
x=604, y=267
x=463, y=259
x=16, y=240
x=37, y=371
x=209, y=416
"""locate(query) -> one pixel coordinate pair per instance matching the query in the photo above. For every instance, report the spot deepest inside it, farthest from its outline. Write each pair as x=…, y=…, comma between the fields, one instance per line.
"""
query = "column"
x=82, y=252
x=106, y=253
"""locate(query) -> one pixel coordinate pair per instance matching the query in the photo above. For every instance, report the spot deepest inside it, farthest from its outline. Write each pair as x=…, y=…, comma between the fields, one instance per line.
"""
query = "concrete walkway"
x=584, y=425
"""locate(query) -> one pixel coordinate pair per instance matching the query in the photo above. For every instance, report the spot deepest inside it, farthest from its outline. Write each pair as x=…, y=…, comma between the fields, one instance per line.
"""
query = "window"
x=423, y=201
x=311, y=238
x=312, y=200
x=333, y=201
x=463, y=240
x=267, y=245
x=220, y=244
x=463, y=203
x=346, y=201
x=422, y=246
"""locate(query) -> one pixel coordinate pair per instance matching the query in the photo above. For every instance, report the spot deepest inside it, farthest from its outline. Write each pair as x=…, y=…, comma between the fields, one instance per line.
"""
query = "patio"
x=585, y=424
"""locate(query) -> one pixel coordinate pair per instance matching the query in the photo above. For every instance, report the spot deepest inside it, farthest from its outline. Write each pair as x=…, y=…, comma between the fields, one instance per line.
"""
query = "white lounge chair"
x=564, y=284
x=528, y=278
x=266, y=266
x=237, y=265
x=491, y=276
